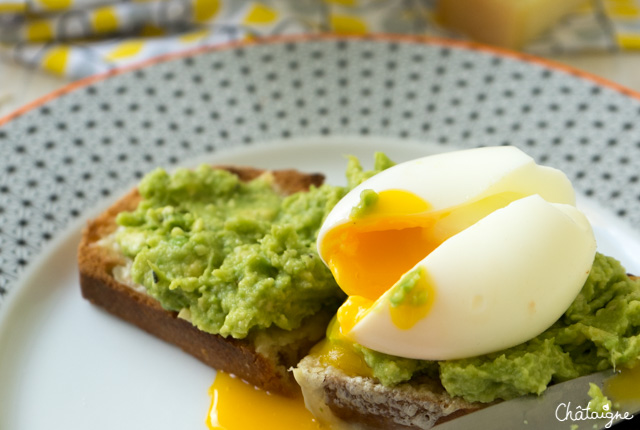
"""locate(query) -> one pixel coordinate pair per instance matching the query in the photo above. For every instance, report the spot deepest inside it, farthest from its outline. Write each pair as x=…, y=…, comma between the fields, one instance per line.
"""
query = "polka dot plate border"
x=63, y=155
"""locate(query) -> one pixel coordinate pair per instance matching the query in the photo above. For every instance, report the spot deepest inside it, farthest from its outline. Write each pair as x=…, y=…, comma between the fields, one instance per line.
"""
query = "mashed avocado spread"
x=601, y=329
x=237, y=256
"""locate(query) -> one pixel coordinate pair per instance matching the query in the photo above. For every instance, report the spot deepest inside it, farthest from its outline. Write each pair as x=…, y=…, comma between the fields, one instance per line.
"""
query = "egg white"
x=453, y=178
x=499, y=282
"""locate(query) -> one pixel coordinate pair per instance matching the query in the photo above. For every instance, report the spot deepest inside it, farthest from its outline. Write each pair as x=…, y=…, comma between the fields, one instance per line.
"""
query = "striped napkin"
x=77, y=38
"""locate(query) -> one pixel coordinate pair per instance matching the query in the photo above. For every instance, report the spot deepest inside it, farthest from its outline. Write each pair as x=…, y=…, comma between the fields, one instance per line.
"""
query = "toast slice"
x=263, y=358
x=357, y=402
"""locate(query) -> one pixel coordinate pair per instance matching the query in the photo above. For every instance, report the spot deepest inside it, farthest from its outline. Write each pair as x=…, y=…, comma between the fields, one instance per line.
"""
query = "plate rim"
x=304, y=38
x=417, y=42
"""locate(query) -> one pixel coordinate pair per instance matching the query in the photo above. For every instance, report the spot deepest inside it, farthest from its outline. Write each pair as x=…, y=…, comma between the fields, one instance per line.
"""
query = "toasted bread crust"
x=359, y=402
x=98, y=285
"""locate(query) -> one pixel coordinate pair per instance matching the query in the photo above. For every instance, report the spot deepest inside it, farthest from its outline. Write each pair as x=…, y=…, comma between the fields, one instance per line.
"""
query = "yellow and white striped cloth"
x=625, y=19
x=77, y=38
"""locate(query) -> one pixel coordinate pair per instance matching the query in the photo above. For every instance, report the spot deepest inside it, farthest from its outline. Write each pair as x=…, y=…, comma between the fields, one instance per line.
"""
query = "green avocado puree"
x=407, y=292
x=601, y=329
x=237, y=256
x=599, y=402
x=368, y=199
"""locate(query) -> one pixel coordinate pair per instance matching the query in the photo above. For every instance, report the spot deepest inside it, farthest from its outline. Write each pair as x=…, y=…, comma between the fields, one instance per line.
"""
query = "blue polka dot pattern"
x=63, y=157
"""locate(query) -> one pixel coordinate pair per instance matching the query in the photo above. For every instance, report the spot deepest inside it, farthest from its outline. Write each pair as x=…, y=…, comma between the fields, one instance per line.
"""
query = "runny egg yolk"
x=404, y=314
x=369, y=254
x=338, y=351
x=624, y=388
x=237, y=405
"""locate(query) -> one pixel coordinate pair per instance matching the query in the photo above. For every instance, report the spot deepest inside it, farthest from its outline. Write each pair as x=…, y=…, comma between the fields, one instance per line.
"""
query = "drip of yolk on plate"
x=371, y=252
x=624, y=388
x=237, y=405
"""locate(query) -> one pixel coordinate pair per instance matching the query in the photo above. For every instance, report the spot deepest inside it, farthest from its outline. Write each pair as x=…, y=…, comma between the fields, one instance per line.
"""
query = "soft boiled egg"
x=458, y=254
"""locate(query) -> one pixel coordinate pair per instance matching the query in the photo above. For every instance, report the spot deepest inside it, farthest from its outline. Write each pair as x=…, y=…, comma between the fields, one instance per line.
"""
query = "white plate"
x=65, y=363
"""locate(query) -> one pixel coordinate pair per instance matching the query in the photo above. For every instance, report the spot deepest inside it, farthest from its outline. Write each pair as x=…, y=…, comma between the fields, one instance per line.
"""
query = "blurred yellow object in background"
x=505, y=23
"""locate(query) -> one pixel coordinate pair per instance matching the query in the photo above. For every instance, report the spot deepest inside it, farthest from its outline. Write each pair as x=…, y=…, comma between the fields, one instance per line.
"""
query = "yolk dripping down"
x=337, y=351
x=414, y=305
x=405, y=313
x=237, y=405
x=370, y=253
